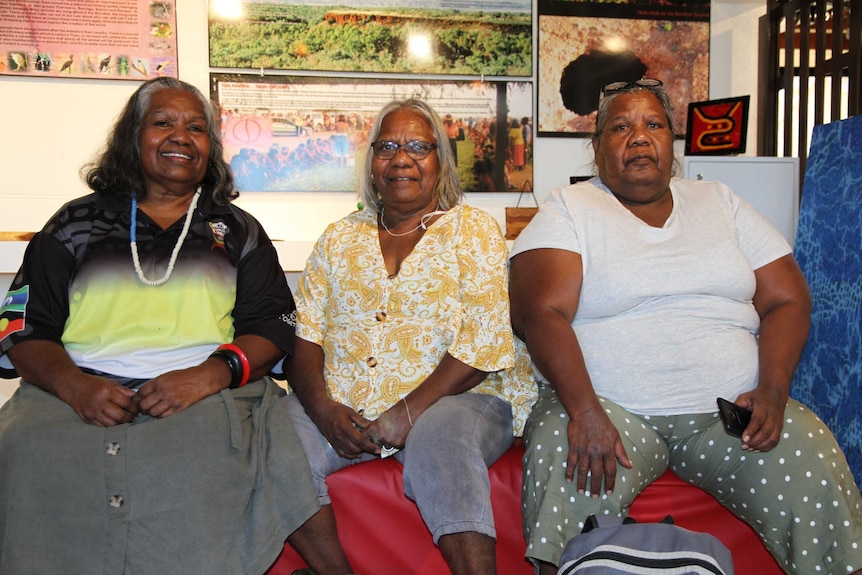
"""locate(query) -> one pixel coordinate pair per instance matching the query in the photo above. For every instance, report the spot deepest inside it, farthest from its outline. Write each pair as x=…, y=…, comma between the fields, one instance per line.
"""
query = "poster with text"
x=307, y=134
x=117, y=40
x=452, y=37
x=586, y=45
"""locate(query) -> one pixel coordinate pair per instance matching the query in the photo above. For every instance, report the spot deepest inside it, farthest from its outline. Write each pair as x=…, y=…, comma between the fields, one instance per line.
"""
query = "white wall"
x=50, y=127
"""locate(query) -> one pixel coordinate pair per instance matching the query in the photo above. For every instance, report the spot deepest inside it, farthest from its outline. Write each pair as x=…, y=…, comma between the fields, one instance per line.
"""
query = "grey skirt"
x=213, y=489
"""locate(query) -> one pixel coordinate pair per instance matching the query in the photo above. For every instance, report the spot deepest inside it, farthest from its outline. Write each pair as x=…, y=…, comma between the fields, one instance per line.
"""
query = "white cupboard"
x=769, y=184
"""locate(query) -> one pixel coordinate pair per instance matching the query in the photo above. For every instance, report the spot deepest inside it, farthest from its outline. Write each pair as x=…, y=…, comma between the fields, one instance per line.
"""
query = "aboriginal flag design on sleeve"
x=12, y=312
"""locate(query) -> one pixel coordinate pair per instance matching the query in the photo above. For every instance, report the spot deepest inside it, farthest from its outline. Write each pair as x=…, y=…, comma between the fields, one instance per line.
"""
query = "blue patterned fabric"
x=829, y=250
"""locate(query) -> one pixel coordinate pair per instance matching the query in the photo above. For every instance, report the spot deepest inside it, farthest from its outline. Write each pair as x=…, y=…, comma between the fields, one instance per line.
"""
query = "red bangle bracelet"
x=246, y=368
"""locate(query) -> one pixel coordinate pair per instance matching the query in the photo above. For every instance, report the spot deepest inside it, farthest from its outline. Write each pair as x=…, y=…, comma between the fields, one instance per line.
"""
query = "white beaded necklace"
x=423, y=222
x=134, y=244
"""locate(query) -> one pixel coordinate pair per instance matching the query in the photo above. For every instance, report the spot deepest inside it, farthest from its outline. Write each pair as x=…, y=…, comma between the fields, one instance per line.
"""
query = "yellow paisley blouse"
x=382, y=337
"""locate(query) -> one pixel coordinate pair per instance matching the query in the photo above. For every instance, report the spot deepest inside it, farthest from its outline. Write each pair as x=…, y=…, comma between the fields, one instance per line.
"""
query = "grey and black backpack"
x=614, y=546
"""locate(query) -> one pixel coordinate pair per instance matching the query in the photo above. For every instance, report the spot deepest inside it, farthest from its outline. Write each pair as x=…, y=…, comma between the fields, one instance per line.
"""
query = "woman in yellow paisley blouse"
x=404, y=341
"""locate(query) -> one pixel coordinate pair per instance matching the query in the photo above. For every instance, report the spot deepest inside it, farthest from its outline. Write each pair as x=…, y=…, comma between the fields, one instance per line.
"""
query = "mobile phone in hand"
x=734, y=417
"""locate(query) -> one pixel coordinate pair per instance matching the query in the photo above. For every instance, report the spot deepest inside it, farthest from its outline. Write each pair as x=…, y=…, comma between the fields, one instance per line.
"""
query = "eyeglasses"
x=416, y=149
x=642, y=83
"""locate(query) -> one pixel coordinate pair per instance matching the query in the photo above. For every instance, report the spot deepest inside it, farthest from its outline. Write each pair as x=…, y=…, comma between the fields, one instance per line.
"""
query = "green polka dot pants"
x=800, y=497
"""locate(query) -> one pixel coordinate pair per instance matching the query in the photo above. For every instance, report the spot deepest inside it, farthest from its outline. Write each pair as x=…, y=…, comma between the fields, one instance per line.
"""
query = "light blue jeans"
x=445, y=458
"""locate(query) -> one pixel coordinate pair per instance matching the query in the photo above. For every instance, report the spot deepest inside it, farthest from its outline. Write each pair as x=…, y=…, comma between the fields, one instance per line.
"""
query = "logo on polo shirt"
x=219, y=230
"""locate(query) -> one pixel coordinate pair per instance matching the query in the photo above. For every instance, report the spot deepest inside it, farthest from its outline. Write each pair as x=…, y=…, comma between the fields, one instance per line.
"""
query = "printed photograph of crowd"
x=275, y=149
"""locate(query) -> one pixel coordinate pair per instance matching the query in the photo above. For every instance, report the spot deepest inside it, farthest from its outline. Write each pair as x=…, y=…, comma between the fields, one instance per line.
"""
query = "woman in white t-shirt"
x=642, y=298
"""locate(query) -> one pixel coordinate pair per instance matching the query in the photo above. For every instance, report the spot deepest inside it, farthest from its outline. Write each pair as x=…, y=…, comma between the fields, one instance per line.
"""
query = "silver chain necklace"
x=423, y=222
x=134, y=244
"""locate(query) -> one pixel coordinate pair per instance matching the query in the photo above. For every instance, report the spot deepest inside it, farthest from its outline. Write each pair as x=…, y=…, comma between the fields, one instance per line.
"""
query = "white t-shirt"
x=665, y=319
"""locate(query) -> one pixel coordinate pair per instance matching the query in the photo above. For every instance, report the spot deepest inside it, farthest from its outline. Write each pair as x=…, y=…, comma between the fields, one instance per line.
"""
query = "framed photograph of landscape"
x=486, y=38
x=717, y=127
x=310, y=133
x=583, y=46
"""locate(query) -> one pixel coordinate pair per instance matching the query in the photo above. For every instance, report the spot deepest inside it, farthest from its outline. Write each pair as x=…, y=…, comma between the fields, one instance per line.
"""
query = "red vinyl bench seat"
x=383, y=533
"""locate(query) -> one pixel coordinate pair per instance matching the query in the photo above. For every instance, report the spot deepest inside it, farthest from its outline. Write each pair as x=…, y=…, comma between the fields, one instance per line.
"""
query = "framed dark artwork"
x=583, y=46
x=450, y=37
x=310, y=133
x=717, y=127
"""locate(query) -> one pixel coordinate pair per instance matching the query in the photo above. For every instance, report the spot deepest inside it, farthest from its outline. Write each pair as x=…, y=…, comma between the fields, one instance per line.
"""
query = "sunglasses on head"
x=642, y=83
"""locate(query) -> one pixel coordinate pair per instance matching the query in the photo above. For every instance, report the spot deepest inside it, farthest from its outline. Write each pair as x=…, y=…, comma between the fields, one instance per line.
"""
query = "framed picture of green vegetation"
x=309, y=133
x=452, y=37
x=585, y=45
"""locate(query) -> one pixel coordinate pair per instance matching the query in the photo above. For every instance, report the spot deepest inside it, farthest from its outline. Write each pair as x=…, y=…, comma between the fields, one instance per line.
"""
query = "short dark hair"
x=117, y=169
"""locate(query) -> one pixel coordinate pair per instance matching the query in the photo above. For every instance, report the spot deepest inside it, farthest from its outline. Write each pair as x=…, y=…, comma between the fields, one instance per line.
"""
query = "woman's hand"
x=767, y=417
x=100, y=401
x=783, y=302
x=595, y=448
x=96, y=400
x=338, y=423
x=344, y=428
x=391, y=428
x=451, y=377
x=545, y=289
x=174, y=391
